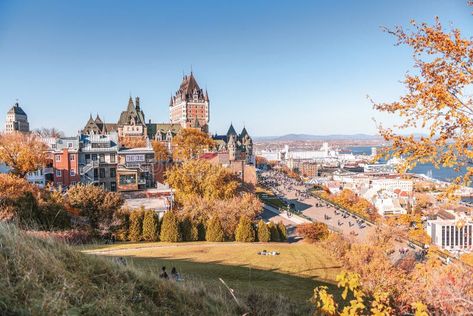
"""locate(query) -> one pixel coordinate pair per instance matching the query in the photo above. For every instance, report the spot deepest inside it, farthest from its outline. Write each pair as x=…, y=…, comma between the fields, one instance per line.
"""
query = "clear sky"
x=277, y=67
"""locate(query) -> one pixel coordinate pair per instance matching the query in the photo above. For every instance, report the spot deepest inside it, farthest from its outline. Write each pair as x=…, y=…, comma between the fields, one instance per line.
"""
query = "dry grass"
x=294, y=273
x=44, y=277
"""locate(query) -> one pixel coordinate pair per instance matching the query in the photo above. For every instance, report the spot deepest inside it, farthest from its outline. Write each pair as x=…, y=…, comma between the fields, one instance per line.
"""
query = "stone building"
x=238, y=146
x=17, y=120
x=189, y=106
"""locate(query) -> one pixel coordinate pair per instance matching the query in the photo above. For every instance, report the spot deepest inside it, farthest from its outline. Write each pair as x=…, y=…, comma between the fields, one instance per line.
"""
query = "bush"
x=264, y=235
x=135, y=233
x=313, y=232
x=282, y=231
x=122, y=225
x=94, y=203
x=201, y=231
x=214, y=230
x=189, y=231
x=151, y=226
x=170, y=228
x=245, y=231
x=274, y=232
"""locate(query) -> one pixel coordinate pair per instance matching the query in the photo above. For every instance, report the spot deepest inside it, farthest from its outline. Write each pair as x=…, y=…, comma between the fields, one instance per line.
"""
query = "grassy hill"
x=43, y=277
x=293, y=274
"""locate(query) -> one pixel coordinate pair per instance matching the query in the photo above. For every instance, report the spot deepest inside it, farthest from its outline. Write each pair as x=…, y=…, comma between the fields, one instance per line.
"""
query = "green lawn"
x=294, y=273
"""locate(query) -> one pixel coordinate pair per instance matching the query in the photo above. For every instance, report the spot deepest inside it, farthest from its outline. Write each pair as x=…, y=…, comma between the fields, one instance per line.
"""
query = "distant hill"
x=309, y=137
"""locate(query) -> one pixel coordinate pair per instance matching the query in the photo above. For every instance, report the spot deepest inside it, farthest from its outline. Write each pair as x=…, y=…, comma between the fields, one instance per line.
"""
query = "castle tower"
x=190, y=103
x=232, y=148
x=17, y=120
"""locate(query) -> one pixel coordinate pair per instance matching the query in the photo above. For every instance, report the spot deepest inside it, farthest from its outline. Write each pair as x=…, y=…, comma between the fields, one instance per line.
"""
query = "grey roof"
x=16, y=109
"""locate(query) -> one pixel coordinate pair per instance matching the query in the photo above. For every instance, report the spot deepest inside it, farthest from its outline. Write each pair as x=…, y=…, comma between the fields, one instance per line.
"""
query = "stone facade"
x=17, y=120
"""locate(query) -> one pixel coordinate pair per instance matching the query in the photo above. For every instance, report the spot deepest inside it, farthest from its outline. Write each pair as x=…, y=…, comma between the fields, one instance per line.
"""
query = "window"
x=113, y=186
x=69, y=145
x=72, y=173
x=112, y=158
x=102, y=172
x=73, y=183
x=87, y=156
x=94, y=157
x=126, y=179
x=58, y=158
x=113, y=172
x=72, y=157
x=102, y=158
x=58, y=173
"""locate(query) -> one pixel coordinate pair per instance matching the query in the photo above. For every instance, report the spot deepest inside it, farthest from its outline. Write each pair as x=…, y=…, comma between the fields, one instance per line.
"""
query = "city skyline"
x=276, y=68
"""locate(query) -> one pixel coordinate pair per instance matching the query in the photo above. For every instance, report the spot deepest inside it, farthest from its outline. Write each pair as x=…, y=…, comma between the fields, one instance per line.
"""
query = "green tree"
x=151, y=226
x=135, y=232
x=170, y=228
x=123, y=225
x=214, y=230
x=274, y=232
x=201, y=231
x=245, y=231
x=189, y=231
x=264, y=235
x=282, y=231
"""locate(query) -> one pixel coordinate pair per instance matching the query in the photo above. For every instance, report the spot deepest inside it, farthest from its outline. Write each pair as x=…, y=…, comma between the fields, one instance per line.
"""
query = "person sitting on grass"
x=163, y=274
x=175, y=275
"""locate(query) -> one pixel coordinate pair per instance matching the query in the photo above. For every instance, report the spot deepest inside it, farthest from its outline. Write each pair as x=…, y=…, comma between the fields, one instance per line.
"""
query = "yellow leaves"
x=160, y=151
x=189, y=143
x=420, y=309
x=23, y=153
x=324, y=301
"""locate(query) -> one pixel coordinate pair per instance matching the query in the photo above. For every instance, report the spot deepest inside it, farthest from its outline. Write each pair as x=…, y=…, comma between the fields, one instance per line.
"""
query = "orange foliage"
x=189, y=143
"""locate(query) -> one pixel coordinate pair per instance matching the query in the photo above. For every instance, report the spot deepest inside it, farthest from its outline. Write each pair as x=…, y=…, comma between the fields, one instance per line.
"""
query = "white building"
x=392, y=184
x=17, y=120
x=452, y=231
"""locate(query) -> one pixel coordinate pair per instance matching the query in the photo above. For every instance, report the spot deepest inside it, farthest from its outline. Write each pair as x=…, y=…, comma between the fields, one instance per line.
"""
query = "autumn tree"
x=313, y=232
x=201, y=178
x=94, y=203
x=214, y=230
x=21, y=152
x=150, y=226
x=282, y=231
x=263, y=232
x=189, y=230
x=274, y=232
x=245, y=231
x=160, y=151
x=170, y=231
x=189, y=143
x=133, y=141
x=121, y=224
x=136, y=225
x=438, y=101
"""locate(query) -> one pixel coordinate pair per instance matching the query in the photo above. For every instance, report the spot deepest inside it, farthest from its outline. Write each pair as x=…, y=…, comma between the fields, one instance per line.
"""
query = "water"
x=443, y=174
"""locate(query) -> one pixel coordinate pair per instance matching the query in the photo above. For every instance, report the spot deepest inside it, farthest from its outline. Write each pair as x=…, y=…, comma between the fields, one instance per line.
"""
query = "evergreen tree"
x=189, y=230
x=214, y=230
x=282, y=231
x=264, y=235
x=151, y=226
x=201, y=231
x=274, y=232
x=245, y=231
x=170, y=228
x=121, y=230
x=135, y=232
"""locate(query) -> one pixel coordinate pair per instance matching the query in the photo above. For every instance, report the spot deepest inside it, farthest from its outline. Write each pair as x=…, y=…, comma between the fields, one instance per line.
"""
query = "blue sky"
x=277, y=67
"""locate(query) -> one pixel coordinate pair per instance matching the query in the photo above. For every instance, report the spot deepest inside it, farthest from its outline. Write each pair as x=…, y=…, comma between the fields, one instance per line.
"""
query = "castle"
x=119, y=156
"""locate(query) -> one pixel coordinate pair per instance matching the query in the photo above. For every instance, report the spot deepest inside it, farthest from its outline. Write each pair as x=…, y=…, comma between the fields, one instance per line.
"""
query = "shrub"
x=201, y=231
x=189, y=231
x=273, y=230
x=245, y=231
x=264, y=235
x=282, y=231
x=170, y=228
x=150, y=226
x=135, y=233
x=94, y=203
x=214, y=230
x=122, y=225
x=313, y=232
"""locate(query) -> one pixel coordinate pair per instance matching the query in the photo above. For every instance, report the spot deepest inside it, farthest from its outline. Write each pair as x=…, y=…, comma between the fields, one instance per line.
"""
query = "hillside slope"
x=44, y=277
x=40, y=277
